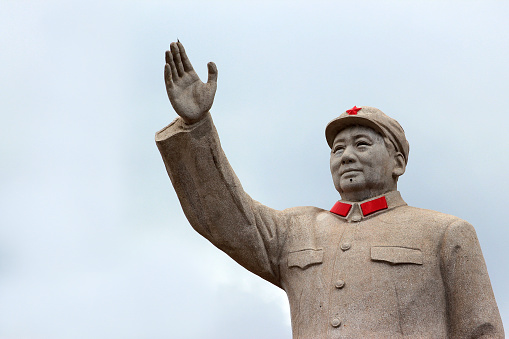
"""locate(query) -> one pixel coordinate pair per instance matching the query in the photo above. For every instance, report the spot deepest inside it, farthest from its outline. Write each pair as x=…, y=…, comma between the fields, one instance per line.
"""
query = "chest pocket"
x=305, y=258
x=396, y=255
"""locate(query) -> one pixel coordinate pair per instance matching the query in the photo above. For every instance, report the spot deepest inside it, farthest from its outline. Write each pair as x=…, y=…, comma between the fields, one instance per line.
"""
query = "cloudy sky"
x=93, y=242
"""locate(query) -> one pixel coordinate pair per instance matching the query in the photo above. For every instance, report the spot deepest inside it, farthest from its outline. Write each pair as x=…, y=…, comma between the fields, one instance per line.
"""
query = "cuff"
x=178, y=125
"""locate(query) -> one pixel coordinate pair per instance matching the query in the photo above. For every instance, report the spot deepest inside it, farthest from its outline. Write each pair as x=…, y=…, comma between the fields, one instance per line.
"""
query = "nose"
x=348, y=156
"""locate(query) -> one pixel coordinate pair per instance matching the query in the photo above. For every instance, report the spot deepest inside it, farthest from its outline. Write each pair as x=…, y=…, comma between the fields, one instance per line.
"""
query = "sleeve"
x=471, y=307
x=215, y=203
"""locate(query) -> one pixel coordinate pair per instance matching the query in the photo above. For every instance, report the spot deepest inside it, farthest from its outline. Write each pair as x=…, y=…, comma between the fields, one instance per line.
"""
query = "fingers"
x=178, y=65
x=169, y=61
x=212, y=72
x=167, y=77
x=176, y=58
x=185, y=60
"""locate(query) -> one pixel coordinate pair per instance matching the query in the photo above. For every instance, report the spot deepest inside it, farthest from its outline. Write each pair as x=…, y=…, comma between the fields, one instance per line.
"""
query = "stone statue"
x=371, y=267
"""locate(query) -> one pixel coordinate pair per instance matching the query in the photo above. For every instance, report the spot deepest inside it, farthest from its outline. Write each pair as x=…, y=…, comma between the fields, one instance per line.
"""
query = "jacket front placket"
x=339, y=279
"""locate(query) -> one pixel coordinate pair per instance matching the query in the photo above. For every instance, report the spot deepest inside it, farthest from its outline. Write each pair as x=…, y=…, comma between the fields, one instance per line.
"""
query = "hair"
x=389, y=145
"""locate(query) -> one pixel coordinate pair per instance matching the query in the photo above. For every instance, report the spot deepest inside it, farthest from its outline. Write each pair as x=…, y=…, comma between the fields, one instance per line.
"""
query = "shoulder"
x=420, y=220
x=303, y=211
x=425, y=215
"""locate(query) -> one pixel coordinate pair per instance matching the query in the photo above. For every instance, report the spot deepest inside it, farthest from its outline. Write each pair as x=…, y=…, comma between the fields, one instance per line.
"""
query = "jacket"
x=394, y=272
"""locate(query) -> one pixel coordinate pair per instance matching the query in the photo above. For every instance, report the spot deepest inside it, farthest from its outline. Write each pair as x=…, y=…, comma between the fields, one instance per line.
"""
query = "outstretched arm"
x=209, y=191
x=189, y=96
x=215, y=203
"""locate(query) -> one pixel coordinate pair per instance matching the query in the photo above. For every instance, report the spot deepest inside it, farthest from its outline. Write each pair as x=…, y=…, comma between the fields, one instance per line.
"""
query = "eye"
x=362, y=144
x=338, y=149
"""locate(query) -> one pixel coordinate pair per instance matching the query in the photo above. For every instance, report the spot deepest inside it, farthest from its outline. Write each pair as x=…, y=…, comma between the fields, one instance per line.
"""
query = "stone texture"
x=375, y=269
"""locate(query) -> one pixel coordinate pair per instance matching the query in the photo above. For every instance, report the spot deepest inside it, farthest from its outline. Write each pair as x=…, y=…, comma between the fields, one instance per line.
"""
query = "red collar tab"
x=340, y=208
x=353, y=110
x=372, y=206
x=368, y=207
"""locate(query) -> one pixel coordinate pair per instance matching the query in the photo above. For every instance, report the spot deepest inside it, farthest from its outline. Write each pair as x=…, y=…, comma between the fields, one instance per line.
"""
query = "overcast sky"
x=93, y=242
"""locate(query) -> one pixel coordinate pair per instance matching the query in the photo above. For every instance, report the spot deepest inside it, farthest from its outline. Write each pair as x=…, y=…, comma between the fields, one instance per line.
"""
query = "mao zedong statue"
x=371, y=267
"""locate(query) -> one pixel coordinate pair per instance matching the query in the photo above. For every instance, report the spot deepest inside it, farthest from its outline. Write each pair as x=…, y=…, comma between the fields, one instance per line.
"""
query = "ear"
x=399, y=165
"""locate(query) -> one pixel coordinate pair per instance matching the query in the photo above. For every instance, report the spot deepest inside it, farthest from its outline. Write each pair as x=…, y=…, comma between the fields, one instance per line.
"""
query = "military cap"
x=373, y=118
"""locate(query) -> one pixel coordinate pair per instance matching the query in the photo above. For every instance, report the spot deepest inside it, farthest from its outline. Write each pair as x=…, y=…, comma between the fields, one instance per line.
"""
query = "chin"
x=352, y=187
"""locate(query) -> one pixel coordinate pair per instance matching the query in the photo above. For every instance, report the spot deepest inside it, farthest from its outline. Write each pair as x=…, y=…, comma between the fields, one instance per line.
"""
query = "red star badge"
x=353, y=111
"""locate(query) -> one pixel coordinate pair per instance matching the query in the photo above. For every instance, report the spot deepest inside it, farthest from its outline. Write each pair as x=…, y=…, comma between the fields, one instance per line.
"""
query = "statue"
x=371, y=267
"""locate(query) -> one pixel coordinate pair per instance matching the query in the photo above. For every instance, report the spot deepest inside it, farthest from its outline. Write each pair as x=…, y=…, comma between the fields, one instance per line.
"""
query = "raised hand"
x=189, y=96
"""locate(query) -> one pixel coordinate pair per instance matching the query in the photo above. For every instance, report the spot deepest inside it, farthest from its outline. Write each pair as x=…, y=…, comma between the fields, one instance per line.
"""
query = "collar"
x=357, y=211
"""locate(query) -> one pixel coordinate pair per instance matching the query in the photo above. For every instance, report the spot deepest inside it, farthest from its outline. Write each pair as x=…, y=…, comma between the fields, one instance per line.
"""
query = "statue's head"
x=369, y=151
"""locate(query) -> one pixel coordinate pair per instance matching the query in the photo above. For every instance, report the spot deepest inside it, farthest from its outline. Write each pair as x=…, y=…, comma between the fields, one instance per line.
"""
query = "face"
x=361, y=165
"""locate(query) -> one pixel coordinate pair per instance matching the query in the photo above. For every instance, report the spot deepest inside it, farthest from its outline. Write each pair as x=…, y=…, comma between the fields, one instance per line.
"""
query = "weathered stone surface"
x=372, y=267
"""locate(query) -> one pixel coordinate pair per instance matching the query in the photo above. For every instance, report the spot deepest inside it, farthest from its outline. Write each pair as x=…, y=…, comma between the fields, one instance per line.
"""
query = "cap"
x=370, y=117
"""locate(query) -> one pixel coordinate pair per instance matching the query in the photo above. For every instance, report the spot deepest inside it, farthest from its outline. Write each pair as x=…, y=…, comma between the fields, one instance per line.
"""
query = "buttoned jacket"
x=398, y=272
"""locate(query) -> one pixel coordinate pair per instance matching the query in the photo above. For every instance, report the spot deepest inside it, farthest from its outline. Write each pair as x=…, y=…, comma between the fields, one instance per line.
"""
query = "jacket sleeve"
x=215, y=203
x=471, y=306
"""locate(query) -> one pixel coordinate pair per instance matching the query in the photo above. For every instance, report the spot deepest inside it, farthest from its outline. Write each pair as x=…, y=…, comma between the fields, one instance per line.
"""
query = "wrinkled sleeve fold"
x=214, y=201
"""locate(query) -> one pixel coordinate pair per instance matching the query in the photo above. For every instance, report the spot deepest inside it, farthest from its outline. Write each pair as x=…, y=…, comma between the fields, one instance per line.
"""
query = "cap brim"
x=338, y=124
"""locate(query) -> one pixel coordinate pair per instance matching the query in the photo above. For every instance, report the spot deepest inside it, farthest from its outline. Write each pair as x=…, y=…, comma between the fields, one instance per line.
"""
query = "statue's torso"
x=379, y=277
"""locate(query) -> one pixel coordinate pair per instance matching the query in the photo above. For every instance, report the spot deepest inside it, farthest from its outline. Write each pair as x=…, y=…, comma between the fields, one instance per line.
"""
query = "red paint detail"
x=353, y=110
x=373, y=206
x=340, y=208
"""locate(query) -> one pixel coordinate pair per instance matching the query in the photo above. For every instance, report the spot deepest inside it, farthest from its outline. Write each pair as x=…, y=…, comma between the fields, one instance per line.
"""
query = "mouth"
x=349, y=172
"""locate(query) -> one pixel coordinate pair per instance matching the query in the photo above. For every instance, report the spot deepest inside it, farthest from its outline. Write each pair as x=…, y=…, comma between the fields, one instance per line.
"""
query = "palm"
x=189, y=96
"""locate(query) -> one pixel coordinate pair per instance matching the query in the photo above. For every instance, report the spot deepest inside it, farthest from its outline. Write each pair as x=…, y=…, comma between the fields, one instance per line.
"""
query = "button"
x=335, y=322
x=345, y=246
x=356, y=217
x=339, y=284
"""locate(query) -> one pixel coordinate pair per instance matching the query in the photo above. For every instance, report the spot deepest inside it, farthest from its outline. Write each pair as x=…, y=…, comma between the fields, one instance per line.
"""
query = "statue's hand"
x=189, y=96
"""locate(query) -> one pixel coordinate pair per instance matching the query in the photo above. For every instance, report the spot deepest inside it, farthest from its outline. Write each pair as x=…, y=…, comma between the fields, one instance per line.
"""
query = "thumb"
x=212, y=72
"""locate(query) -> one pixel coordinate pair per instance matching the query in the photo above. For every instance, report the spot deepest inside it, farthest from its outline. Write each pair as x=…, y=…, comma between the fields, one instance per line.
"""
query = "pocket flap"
x=305, y=258
x=396, y=255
